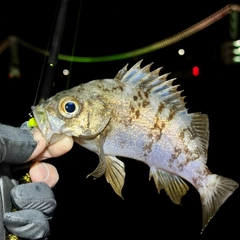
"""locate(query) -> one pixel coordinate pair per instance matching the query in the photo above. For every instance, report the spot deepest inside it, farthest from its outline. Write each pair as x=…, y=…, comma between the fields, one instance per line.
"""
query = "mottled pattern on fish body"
x=139, y=115
x=159, y=136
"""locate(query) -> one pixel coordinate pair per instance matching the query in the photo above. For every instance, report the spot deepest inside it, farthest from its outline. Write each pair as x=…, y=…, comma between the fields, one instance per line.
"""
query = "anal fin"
x=174, y=186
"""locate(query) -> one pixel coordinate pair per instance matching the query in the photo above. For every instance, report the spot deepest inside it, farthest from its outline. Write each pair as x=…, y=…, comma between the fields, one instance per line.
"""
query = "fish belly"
x=158, y=150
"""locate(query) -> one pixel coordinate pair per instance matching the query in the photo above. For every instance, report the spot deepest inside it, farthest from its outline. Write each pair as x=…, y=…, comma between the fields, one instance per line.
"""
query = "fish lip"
x=43, y=124
x=50, y=126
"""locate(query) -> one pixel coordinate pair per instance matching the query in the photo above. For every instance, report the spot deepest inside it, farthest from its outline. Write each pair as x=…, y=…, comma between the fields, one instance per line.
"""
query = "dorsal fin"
x=121, y=73
x=125, y=76
x=162, y=89
x=151, y=83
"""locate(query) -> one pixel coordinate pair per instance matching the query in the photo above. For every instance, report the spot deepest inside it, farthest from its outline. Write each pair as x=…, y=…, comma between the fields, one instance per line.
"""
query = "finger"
x=61, y=147
x=44, y=172
x=41, y=143
x=57, y=149
x=27, y=224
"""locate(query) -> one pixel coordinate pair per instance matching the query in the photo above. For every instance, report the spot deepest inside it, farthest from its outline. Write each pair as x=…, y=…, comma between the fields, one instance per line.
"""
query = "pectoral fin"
x=174, y=186
x=101, y=168
x=112, y=167
x=115, y=173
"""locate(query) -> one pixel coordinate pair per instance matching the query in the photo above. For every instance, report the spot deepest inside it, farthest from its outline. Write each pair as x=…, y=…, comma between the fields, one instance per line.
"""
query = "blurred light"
x=236, y=59
x=181, y=51
x=14, y=72
x=14, y=63
x=195, y=71
x=236, y=51
x=230, y=52
x=234, y=25
x=65, y=72
x=236, y=43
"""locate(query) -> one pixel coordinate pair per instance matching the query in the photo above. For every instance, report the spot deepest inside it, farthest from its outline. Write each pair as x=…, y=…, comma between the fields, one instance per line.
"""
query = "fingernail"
x=42, y=170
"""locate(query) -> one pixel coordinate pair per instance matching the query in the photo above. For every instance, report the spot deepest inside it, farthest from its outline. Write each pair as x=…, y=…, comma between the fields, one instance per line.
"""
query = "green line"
x=108, y=58
x=150, y=48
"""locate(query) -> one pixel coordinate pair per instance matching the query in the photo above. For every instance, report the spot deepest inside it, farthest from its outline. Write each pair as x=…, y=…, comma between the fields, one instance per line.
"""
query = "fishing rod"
x=51, y=65
x=50, y=70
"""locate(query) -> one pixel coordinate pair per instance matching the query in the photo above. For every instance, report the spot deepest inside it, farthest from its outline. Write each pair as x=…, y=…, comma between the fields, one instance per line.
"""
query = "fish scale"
x=139, y=114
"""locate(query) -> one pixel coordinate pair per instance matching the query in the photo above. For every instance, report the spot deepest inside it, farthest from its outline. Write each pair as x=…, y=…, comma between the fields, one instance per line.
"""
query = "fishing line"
x=150, y=48
x=74, y=44
x=46, y=55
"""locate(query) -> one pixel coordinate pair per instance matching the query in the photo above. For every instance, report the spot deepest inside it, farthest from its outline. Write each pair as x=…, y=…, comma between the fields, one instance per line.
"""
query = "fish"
x=141, y=115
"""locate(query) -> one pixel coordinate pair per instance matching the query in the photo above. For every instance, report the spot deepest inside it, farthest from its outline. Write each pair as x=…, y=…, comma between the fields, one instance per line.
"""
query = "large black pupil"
x=70, y=107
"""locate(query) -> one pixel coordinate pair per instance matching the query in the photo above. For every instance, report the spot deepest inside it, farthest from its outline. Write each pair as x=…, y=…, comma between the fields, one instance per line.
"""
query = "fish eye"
x=68, y=107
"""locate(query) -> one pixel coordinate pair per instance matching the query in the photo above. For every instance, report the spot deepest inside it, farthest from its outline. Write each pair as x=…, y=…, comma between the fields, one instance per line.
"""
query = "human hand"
x=35, y=204
x=45, y=172
x=18, y=145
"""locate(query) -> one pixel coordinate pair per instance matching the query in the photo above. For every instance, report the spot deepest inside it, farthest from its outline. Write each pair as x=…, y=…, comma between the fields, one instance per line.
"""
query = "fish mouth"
x=43, y=124
x=50, y=126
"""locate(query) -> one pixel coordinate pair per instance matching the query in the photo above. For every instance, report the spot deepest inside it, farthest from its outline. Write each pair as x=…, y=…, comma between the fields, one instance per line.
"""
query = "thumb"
x=44, y=172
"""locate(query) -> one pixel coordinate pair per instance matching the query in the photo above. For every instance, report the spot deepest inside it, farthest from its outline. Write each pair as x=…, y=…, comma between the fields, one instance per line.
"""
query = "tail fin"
x=214, y=194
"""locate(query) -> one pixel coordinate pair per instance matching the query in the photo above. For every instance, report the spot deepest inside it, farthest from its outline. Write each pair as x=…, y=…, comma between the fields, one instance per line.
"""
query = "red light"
x=195, y=71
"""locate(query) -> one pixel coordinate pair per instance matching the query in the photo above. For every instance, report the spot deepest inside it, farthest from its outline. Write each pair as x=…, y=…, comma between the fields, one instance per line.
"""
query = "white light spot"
x=236, y=51
x=236, y=43
x=181, y=52
x=236, y=59
x=65, y=72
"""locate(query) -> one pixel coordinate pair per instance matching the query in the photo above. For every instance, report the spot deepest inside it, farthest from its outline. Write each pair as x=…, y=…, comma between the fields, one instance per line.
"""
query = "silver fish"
x=138, y=115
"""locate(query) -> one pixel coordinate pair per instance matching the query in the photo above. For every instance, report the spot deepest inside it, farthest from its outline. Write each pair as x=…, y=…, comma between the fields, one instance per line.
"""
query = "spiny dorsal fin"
x=121, y=73
x=151, y=83
x=174, y=186
x=124, y=75
x=200, y=126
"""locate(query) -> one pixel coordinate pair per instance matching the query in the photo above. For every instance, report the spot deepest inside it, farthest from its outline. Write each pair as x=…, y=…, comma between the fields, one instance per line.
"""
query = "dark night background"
x=91, y=209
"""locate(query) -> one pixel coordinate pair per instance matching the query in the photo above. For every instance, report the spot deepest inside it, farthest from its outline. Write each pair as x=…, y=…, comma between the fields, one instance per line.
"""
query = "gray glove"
x=36, y=205
x=35, y=201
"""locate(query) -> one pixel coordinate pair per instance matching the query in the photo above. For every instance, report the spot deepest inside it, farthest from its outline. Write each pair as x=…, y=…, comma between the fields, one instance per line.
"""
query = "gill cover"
x=84, y=117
